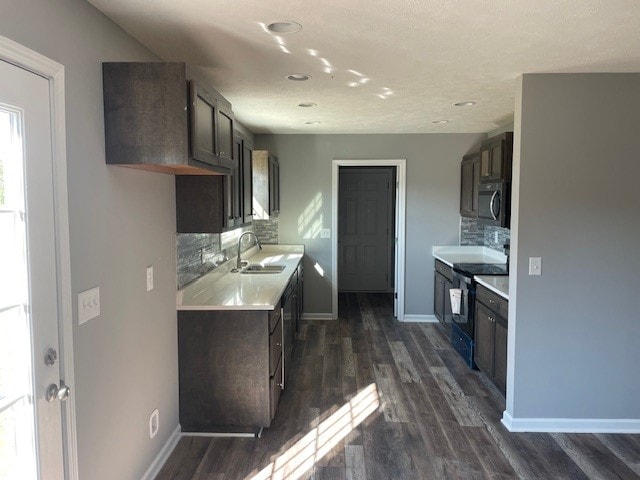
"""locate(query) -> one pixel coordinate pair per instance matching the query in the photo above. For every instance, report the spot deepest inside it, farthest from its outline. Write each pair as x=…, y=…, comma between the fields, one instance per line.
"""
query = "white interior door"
x=30, y=425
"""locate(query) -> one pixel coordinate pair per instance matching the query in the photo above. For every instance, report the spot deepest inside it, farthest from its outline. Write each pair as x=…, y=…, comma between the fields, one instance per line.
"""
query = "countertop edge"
x=493, y=288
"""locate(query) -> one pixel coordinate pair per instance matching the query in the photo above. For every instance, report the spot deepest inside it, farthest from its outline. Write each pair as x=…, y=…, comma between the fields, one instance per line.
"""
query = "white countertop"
x=223, y=290
x=497, y=284
x=468, y=254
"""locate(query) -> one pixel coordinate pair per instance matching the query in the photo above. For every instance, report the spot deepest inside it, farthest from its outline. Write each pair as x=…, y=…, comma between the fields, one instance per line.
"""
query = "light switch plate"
x=149, y=278
x=88, y=305
x=535, y=266
x=325, y=233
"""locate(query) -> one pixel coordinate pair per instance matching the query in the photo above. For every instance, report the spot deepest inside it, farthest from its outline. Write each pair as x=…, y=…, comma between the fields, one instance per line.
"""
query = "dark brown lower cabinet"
x=491, y=328
x=442, y=283
x=500, y=359
x=230, y=369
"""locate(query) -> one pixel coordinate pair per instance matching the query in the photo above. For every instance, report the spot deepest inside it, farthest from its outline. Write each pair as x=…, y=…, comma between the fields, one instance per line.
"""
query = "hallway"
x=371, y=398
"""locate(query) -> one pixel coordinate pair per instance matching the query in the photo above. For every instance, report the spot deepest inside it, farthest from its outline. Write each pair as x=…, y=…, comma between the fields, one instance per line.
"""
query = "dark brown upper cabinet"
x=496, y=155
x=266, y=185
x=156, y=120
x=200, y=204
x=233, y=187
x=214, y=204
x=469, y=181
x=247, y=181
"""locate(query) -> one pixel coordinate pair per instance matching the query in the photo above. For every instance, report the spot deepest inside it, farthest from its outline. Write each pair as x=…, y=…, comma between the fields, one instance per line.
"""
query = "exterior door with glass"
x=31, y=389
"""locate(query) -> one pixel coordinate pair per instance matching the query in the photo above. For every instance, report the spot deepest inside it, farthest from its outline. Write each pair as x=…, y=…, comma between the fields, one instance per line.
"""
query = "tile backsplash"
x=474, y=233
x=200, y=253
x=267, y=230
x=471, y=232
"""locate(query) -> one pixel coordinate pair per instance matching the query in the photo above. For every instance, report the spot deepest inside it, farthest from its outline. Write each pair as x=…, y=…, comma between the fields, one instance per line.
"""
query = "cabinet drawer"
x=444, y=269
x=493, y=301
x=274, y=317
x=275, y=388
x=275, y=348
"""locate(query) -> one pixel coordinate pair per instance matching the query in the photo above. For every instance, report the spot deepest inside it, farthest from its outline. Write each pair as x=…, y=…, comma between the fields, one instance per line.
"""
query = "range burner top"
x=472, y=269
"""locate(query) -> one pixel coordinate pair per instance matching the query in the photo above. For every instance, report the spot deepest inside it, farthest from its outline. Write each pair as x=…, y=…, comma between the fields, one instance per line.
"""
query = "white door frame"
x=26, y=58
x=401, y=202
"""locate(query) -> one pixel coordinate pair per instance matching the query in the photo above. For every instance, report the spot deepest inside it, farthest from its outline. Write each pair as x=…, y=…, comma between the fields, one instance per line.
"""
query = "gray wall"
x=121, y=221
x=433, y=190
x=574, y=330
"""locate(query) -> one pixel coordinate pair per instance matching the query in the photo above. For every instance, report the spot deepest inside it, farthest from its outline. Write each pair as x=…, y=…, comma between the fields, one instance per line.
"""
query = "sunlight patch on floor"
x=303, y=455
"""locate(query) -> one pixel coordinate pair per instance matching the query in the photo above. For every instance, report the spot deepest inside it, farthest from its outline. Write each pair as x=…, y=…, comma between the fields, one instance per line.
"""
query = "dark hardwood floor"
x=371, y=398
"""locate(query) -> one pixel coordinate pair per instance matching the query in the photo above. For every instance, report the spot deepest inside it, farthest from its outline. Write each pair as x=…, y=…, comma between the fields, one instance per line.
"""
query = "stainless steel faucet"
x=239, y=261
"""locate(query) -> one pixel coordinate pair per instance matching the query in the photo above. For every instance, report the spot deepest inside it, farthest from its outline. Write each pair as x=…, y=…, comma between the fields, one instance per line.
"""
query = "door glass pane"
x=17, y=446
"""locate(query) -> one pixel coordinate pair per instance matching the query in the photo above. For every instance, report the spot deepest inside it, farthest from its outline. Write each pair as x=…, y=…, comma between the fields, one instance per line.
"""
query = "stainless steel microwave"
x=494, y=204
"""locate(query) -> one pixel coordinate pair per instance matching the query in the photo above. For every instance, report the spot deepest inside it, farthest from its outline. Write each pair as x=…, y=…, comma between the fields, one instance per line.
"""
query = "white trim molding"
x=163, y=455
x=400, y=216
x=571, y=425
x=26, y=58
x=319, y=316
x=412, y=317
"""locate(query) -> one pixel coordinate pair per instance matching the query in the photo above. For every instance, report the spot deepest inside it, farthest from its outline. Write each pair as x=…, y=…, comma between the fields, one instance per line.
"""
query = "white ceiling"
x=429, y=53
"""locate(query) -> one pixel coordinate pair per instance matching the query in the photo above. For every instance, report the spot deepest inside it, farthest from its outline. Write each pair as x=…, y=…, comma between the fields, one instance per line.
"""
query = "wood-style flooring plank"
x=354, y=462
x=368, y=317
x=625, y=447
x=392, y=406
x=185, y=459
x=385, y=454
x=315, y=340
x=404, y=364
x=593, y=457
x=456, y=399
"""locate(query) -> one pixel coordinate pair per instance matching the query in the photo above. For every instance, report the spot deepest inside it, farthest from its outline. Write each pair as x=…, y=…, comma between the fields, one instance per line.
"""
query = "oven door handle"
x=493, y=199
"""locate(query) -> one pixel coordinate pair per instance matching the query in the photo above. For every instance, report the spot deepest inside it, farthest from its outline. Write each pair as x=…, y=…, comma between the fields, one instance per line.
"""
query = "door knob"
x=61, y=393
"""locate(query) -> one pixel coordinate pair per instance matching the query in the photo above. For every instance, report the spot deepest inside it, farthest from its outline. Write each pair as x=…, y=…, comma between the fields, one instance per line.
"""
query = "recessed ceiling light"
x=440, y=121
x=285, y=26
x=464, y=104
x=298, y=77
x=312, y=123
x=307, y=104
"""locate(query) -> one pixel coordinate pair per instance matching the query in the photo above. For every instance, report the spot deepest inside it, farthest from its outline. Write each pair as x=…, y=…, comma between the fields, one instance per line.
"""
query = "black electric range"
x=462, y=327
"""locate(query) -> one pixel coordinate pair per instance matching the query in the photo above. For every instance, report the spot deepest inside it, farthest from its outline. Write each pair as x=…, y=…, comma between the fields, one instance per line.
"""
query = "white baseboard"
x=570, y=425
x=318, y=316
x=163, y=455
x=410, y=317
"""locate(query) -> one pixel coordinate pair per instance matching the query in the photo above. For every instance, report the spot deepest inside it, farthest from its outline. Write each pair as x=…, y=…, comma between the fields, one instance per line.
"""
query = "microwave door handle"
x=493, y=199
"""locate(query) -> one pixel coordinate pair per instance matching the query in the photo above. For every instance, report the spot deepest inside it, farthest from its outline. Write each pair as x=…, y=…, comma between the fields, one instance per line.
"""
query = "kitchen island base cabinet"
x=230, y=369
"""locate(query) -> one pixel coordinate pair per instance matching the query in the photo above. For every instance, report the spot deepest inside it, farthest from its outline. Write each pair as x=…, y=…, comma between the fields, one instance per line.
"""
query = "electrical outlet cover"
x=535, y=266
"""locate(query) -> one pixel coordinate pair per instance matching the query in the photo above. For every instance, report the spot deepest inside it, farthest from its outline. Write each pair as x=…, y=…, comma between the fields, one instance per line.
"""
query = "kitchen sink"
x=262, y=269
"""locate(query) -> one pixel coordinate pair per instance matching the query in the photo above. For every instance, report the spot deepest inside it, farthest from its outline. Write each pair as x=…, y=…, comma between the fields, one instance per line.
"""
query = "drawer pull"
x=278, y=344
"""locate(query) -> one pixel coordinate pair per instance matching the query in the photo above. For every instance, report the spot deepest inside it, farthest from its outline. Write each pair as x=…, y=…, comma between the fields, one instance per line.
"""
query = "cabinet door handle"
x=493, y=199
x=278, y=344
